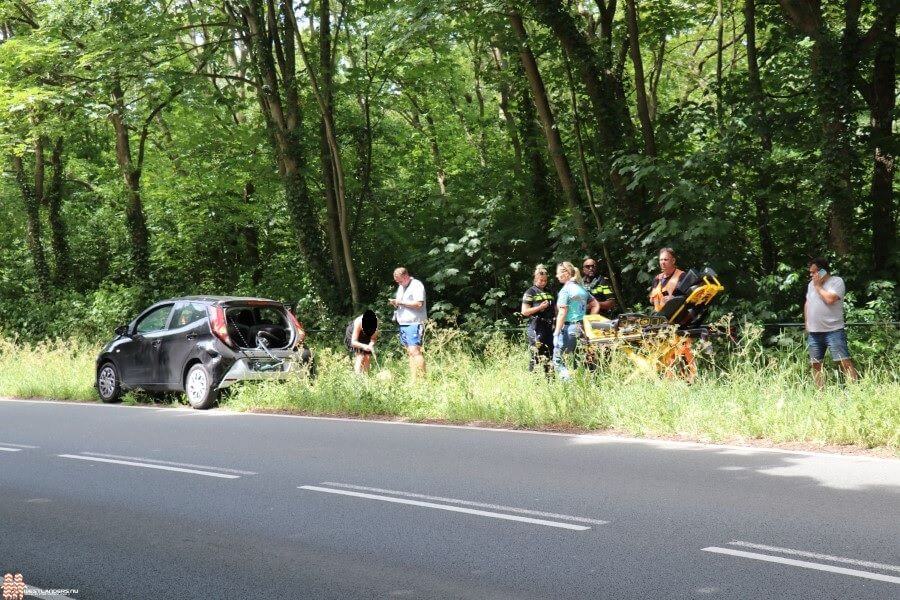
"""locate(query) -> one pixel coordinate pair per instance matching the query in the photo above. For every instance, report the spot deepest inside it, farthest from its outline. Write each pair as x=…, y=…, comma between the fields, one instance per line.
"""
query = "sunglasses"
x=588, y=266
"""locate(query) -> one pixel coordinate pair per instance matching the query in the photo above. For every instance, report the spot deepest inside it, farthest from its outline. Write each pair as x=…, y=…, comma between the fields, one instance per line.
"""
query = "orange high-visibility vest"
x=661, y=293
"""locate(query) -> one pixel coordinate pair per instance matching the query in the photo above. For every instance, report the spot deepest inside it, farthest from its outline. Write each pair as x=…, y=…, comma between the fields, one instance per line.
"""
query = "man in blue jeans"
x=824, y=317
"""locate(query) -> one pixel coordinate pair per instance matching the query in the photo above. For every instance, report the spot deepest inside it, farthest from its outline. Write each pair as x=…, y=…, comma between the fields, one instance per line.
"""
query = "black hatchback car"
x=200, y=345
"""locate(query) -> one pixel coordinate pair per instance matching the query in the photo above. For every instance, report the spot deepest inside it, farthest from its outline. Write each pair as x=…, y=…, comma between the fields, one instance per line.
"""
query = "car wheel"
x=198, y=387
x=109, y=386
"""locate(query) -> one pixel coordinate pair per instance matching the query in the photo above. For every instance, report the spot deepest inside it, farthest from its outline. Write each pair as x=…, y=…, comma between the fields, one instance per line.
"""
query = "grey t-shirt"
x=822, y=317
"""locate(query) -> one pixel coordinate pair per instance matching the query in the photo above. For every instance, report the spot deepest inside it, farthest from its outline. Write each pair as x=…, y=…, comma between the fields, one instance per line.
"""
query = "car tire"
x=109, y=385
x=198, y=387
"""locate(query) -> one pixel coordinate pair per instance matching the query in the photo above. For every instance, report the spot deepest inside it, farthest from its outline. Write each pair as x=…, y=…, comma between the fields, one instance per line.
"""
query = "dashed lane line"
x=828, y=557
x=447, y=507
x=146, y=465
x=168, y=462
x=803, y=564
x=498, y=507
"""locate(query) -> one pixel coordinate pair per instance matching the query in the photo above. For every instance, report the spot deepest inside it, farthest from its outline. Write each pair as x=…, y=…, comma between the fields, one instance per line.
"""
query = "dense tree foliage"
x=301, y=150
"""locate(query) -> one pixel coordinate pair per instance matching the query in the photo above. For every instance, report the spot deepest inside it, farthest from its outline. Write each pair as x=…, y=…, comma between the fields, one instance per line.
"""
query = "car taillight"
x=297, y=327
x=218, y=325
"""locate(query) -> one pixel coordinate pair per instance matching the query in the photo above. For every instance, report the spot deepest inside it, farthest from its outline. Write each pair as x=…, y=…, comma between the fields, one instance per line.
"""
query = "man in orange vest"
x=666, y=281
x=664, y=285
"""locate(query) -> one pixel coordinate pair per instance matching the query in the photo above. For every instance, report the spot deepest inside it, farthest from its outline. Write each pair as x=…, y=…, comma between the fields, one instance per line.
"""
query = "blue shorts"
x=411, y=335
x=835, y=341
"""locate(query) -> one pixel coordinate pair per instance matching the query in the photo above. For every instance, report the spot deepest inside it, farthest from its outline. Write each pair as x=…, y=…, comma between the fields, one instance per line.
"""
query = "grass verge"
x=746, y=393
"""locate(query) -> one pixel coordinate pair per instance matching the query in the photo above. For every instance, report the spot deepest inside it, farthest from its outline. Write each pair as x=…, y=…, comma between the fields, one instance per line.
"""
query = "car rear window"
x=269, y=315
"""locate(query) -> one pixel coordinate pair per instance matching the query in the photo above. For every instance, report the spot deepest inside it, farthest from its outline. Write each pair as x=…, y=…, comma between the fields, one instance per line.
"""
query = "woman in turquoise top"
x=573, y=302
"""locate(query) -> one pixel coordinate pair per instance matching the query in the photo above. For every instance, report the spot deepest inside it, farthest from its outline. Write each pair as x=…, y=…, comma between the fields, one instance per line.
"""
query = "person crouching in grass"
x=360, y=339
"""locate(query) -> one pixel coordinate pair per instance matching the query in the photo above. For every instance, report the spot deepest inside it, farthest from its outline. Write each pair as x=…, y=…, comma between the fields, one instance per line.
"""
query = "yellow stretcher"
x=661, y=341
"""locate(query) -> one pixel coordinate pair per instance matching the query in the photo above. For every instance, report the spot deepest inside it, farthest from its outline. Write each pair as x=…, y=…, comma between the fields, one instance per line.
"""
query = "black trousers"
x=540, y=344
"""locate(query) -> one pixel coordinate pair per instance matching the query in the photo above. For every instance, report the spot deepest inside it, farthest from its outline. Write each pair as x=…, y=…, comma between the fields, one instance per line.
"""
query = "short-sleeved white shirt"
x=413, y=292
x=822, y=317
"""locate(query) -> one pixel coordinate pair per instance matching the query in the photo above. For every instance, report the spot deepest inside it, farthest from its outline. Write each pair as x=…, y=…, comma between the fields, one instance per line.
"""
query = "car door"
x=147, y=337
x=188, y=322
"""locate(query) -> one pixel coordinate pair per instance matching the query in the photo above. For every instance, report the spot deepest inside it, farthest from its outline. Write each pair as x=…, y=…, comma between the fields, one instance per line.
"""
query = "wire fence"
x=522, y=328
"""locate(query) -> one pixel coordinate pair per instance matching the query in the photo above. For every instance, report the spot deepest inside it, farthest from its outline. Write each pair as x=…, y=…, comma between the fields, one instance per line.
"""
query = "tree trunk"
x=588, y=189
x=33, y=228
x=639, y=87
x=658, y=58
x=58, y=236
x=551, y=133
x=280, y=107
x=334, y=148
x=609, y=110
x=720, y=40
x=467, y=130
x=540, y=194
x=251, y=239
x=479, y=96
x=431, y=134
x=135, y=220
x=883, y=100
x=508, y=118
x=608, y=113
x=760, y=193
x=607, y=16
x=833, y=71
x=328, y=180
x=39, y=170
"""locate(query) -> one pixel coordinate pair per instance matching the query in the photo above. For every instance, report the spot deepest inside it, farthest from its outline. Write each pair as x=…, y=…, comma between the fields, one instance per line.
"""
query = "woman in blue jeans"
x=572, y=303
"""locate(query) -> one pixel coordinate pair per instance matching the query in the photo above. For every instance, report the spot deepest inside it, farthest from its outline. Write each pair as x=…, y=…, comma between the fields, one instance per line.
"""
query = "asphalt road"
x=112, y=502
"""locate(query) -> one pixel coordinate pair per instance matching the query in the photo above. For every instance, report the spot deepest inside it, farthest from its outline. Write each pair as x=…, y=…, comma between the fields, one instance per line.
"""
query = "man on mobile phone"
x=824, y=317
x=410, y=313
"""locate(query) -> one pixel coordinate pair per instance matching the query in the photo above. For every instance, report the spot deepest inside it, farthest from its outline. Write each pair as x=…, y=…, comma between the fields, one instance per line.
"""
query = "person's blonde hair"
x=571, y=270
x=541, y=269
x=400, y=272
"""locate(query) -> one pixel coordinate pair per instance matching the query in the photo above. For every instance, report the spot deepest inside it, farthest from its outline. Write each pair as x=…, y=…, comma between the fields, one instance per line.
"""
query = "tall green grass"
x=745, y=391
x=57, y=369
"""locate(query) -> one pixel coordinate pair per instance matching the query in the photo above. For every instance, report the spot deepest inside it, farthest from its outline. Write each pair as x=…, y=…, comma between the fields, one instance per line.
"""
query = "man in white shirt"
x=824, y=317
x=410, y=313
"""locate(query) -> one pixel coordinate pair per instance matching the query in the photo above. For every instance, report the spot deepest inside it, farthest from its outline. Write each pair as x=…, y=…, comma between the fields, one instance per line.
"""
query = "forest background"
x=302, y=150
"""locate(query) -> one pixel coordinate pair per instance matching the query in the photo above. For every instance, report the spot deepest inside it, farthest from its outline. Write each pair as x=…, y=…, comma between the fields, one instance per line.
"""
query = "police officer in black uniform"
x=597, y=285
x=599, y=288
x=538, y=306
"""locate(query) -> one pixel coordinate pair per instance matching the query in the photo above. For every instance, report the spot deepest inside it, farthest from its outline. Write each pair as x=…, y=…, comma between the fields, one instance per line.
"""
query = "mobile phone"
x=822, y=272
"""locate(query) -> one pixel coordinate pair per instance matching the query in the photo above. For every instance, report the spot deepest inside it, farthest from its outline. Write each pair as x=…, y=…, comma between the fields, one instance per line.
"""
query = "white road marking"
x=18, y=445
x=805, y=564
x=2, y=449
x=828, y=557
x=149, y=466
x=523, y=511
x=471, y=511
x=167, y=462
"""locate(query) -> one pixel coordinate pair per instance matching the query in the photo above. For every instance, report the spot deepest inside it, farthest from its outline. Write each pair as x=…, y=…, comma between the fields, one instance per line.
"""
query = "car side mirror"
x=121, y=330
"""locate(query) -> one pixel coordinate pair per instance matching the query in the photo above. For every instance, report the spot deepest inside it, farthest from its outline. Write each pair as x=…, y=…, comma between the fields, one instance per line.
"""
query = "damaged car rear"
x=200, y=345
